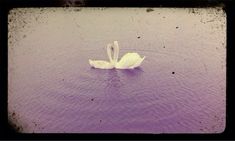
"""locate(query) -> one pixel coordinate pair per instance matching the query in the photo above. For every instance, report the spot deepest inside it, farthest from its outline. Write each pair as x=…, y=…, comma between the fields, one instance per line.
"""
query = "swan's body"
x=101, y=64
x=128, y=61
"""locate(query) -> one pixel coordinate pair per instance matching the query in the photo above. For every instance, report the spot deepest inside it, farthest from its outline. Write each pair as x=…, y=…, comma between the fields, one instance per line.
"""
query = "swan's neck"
x=113, y=51
x=109, y=52
x=116, y=52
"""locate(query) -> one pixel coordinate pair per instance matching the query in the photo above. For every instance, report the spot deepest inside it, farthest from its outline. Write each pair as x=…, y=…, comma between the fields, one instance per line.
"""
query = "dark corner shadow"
x=12, y=128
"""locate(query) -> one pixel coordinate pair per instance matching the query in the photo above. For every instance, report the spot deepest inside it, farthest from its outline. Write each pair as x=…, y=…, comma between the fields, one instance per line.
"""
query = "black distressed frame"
x=7, y=132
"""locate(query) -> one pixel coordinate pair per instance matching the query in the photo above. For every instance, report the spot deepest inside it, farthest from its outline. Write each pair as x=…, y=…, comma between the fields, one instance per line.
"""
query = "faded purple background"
x=179, y=88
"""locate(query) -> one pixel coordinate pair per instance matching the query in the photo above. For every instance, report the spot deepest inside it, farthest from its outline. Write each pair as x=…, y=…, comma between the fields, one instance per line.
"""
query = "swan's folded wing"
x=129, y=60
x=138, y=63
x=101, y=64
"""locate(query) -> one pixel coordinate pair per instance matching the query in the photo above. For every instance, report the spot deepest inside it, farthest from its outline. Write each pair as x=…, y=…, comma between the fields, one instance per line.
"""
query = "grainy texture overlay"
x=179, y=88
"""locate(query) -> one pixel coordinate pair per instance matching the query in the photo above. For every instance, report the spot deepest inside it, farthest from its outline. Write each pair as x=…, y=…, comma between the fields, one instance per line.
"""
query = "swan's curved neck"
x=109, y=52
x=116, y=51
x=113, y=51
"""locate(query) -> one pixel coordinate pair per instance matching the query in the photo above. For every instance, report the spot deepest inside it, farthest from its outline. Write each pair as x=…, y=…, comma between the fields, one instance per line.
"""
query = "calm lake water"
x=179, y=88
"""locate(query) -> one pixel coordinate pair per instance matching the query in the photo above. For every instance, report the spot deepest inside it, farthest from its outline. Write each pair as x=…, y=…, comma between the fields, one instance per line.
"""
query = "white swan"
x=128, y=61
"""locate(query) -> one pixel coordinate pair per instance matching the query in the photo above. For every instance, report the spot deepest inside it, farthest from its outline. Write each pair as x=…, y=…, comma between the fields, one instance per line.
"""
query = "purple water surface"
x=147, y=99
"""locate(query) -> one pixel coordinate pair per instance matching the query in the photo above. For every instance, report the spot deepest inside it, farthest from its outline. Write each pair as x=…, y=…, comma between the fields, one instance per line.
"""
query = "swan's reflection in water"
x=115, y=81
x=132, y=72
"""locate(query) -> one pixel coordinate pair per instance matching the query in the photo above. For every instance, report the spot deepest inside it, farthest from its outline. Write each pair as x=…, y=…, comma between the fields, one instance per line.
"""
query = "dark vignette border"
x=7, y=130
